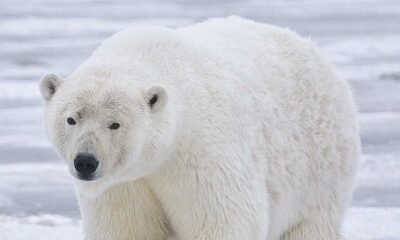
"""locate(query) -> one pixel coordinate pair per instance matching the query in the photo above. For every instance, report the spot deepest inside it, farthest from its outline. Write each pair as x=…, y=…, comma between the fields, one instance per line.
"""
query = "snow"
x=372, y=223
x=361, y=224
x=44, y=227
x=40, y=36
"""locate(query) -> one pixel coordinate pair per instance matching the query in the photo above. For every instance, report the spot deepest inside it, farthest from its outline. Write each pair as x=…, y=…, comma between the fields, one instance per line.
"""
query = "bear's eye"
x=71, y=121
x=114, y=126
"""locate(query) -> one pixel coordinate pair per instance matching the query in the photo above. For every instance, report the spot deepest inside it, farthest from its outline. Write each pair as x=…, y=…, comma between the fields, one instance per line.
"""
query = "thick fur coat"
x=229, y=130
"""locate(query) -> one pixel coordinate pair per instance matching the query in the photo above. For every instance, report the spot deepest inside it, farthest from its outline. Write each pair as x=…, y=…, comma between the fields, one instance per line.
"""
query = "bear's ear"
x=156, y=98
x=49, y=85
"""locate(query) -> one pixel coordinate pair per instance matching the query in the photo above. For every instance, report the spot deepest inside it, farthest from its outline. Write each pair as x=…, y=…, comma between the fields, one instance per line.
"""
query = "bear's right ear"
x=49, y=85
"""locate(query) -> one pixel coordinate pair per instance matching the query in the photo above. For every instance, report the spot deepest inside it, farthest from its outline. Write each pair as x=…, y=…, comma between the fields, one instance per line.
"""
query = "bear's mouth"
x=86, y=177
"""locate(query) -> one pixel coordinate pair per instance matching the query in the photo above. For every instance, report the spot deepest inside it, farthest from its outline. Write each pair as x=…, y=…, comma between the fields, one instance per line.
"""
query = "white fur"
x=253, y=135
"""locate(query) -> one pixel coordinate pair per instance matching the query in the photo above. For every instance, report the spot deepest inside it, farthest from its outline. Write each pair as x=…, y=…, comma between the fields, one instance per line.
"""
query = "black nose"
x=85, y=164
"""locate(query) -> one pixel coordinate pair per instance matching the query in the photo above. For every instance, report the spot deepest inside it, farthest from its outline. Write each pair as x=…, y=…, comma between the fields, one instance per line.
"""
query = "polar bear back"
x=303, y=112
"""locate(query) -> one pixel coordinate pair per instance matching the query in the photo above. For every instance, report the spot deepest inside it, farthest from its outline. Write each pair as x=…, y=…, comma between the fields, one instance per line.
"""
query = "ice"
x=372, y=223
x=36, y=188
x=361, y=224
x=41, y=36
x=44, y=227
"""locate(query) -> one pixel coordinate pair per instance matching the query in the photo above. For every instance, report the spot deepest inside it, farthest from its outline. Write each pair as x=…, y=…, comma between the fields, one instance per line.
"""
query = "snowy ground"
x=39, y=36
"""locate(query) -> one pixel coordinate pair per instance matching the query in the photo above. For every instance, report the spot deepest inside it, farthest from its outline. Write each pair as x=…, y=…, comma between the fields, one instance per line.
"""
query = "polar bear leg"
x=127, y=211
x=317, y=228
x=219, y=216
x=215, y=202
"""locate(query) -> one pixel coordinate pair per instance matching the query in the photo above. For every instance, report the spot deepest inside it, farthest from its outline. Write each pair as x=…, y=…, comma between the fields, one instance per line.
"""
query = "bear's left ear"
x=156, y=98
x=49, y=85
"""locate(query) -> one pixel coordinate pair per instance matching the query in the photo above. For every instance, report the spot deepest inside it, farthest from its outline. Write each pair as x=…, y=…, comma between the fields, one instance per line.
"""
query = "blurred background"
x=362, y=37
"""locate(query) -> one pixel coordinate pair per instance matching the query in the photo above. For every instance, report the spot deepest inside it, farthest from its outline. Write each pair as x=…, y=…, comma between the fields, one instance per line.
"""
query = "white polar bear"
x=227, y=129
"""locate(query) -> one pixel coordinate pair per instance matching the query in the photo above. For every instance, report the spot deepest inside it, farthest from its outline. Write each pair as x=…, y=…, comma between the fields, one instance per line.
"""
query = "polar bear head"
x=106, y=131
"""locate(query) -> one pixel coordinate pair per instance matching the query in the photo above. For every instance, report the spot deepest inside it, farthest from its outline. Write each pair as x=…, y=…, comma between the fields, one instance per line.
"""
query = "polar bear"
x=224, y=130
